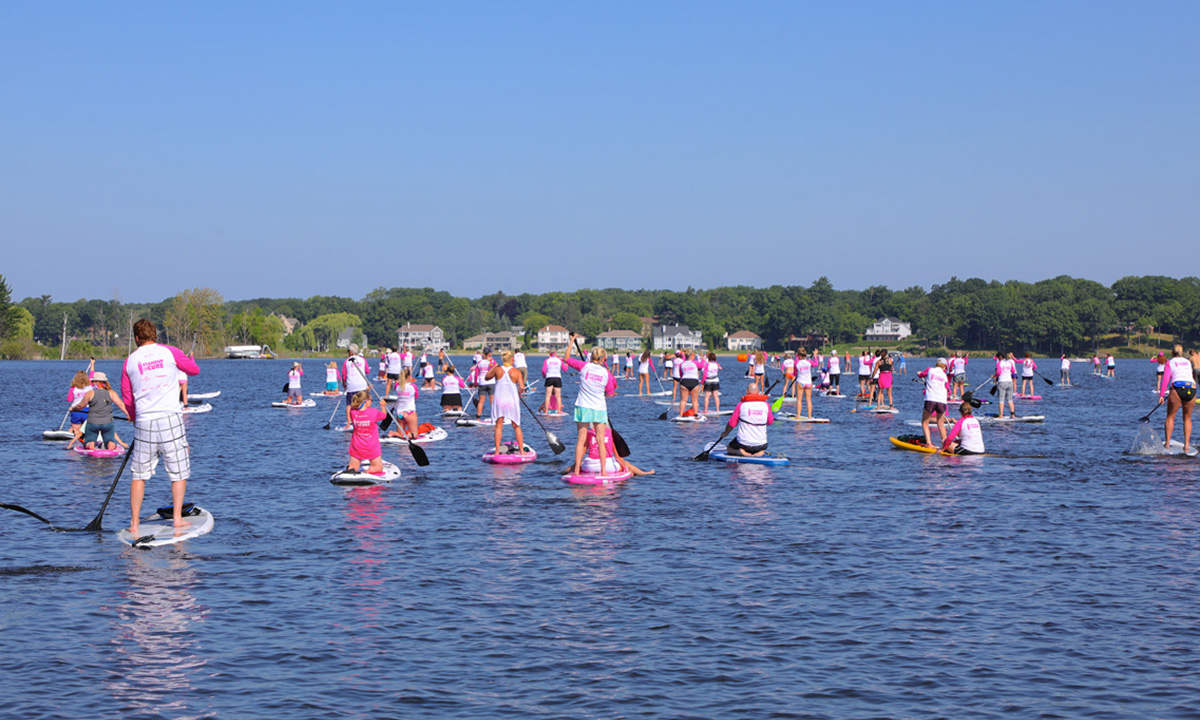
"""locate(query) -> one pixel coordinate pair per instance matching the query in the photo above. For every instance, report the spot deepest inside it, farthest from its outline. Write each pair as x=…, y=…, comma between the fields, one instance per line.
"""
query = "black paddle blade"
x=555, y=444
x=94, y=525
x=28, y=512
x=387, y=423
x=418, y=453
x=284, y=391
x=993, y=390
x=619, y=443
x=1048, y=381
x=663, y=416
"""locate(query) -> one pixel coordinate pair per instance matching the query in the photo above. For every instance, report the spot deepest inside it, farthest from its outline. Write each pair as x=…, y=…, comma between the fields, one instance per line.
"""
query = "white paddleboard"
x=718, y=413
x=306, y=403
x=689, y=419
x=345, y=477
x=1011, y=419
x=197, y=397
x=883, y=411
x=793, y=418
x=472, y=422
x=57, y=434
x=198, y=409
x=453, y=413
x=326, y=395
x=159, y=528
x=432, y=436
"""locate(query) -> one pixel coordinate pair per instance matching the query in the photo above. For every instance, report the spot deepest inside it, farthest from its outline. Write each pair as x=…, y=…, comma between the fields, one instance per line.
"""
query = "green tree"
x=326, y=328
x=626, y=321
x=196, y=315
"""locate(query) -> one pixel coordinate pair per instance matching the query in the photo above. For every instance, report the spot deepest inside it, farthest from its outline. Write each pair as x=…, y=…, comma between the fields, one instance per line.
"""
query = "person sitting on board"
x=406, y=406
x=149, y=389
x=936, y=387
x=295, y=396
x=100, y=400
x=331, y=378
x=506, y=403
x=591, y=409
x=364, y=442
x=452, y=386
x=750, y=417
x=966, y=437
x=614, y=463
x=75, y=396
x=1178, y=390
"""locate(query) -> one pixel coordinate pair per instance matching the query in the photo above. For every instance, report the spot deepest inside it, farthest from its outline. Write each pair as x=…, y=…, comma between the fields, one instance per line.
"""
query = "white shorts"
x=161, y=437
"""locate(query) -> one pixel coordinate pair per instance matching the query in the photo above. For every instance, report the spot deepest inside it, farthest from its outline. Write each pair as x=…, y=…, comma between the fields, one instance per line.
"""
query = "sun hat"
x=99, y=377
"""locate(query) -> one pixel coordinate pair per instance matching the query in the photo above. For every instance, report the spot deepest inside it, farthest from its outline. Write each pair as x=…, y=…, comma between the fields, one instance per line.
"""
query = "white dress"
x=506, y=403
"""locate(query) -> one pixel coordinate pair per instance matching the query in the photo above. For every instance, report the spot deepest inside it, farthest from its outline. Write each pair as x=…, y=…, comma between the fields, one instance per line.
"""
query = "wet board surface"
x=813, y=420
x=433, y=435
x=306, y=403
x=592, y=479
x=720, y=454
x=198, y=409
x=511, y=458
x=196, y=397
x=98, y=452
x=689, y=419
x=57, y=435
x=155, y=530
x=346, y=478
x=1010, y=419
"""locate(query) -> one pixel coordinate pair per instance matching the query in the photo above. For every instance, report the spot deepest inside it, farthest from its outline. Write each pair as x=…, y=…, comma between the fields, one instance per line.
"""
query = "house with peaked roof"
x=743, y=340
x=622, y=340
x=888, y=329
x=676, y=337
x=427, y=337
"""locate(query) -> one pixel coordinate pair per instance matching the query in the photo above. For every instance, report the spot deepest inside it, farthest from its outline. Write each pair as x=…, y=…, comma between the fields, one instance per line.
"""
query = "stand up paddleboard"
x=1011, y=419
x=159, y=528
x=1029, y=397
x=197, y=397
x=57, y=434
x=526, y=455
x=689, y=419
x=555, y=414
x=1177, y=449
x=198, y=409
x=326, y=394
x=593, y=479
x=347, y=478
x=452, y=413
x=832, y=395
x=793, y=418
x=722, y=455
x=432, y=436
x=472, y=422
x=881, y=411
x=307, y=402
x=98, y=452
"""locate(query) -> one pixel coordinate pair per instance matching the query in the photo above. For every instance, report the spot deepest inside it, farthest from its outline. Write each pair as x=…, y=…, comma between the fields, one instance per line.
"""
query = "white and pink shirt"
x=294, y=378
x=1005, y=370
x=1027, y=368
x=406, y=399
x=751, y=418
x=353, y=379
x=804, y=372
x=937, y=384
x=1179, y=369
x=595, y=383
x=452, y=385
x=969, y=434
x=552, y=367
x=149, y=380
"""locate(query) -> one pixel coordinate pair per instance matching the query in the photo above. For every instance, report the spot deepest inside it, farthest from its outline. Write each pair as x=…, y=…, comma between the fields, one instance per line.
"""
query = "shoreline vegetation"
x=1135, y=317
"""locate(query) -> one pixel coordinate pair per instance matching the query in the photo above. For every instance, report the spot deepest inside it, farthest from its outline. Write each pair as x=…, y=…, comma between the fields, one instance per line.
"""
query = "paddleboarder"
x=591, y=409
x=552, y=380
x=936, y=387
x=712, y=382
x=406, y=406
x=295, y=396
x=1006, y=370
x=1064, y=371
x=364, y=440
x=645, y=369
x=1178, y=390
x=966, y=437
x=452, y=386
x=149, y=389
x=750, y=418
x=506, y=404
x=100, y=400
x=1028, y=365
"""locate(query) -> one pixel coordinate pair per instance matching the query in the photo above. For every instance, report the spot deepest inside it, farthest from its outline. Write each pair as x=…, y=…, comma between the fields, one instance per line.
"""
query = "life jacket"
x=425, y=428
x=690, y=412
x=752, y=398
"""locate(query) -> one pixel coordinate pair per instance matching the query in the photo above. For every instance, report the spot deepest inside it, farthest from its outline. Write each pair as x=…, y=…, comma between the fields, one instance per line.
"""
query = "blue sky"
x=296, y=149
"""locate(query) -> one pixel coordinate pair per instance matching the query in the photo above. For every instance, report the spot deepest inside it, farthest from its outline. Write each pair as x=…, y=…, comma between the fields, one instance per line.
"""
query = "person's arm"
x=127, y=391
x=118, y=402
x=610, y=388
x=952, y=434
x=573, y=363
x=186, y=364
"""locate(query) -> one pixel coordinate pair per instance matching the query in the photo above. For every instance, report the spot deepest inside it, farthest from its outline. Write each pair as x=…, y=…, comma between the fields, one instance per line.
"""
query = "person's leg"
x=602, y=447
x=137, y=489
x=1169, y=423
x=497, y=433
x=520, y=438
x=925, y=426
x=1187, y=425
x=178, y=491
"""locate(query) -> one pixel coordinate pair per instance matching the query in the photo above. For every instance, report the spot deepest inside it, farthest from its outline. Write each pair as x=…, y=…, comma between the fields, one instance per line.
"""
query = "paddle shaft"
x=552, y=440
x=336, y=405
x=619, y=443
x=95, y=524
x=417, y=451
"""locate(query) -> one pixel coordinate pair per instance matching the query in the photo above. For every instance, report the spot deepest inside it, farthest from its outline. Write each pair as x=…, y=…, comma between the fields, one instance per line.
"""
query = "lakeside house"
x=743, y=340
x=497, y=341
x=888, y=329
x=676, y=337
x=427, y=337
x=623, y=340
x=554, y=337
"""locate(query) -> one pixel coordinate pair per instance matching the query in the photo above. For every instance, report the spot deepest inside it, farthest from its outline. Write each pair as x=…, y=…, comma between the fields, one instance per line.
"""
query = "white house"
x=553, y=337
x=428, y=337
x=676, y=337
x=743, y=340
x=888, y=329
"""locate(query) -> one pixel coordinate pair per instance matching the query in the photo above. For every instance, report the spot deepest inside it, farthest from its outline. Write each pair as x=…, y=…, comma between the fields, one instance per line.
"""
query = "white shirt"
x=593, y=379
x=935, y=385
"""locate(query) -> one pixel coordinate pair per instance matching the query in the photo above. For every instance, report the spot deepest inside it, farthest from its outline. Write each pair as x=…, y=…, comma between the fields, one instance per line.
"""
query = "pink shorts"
x=885, y=380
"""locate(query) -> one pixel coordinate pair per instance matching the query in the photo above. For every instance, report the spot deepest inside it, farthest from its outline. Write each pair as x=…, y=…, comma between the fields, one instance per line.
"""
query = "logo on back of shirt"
x=143, y=368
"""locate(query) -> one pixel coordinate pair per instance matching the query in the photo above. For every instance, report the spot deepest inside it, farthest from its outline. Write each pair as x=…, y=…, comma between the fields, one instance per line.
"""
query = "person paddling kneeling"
x=751, y=417
x=966, y=437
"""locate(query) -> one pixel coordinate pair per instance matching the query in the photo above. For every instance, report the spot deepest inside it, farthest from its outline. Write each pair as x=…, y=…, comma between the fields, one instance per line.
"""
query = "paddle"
x=94, y=525
x=417, y=451
x=1048, y=380
x=551, y=439
x=618, y=442
x=1146, y=417
x=336, y=405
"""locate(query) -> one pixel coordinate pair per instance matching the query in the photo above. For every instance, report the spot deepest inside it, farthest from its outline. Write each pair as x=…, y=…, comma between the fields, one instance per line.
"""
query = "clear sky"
x=303, y=148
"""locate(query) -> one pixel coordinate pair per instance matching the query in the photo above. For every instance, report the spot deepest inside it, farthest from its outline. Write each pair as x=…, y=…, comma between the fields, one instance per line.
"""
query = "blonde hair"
x=332, y=364
x=506, y=357
x=362, y=397
x=1177, y=351
x=80, y=380
x=598, y=354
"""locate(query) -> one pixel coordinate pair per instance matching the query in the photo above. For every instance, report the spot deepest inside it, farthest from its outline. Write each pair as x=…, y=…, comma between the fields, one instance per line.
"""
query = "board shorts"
x=960, y=450
x=960, y=378
x=588, y=415
x=735, y=445
x=935, y=408
x=885, y=380
x=1184, y=389
x=91, y=432
x=486, y=390
x=393, y=376
x=712, y=387
x=553, y=382
x=295, y=393
x=162, y=437
x=331, y=386
x=689, y=383
x=452, y=400
x=79, y=417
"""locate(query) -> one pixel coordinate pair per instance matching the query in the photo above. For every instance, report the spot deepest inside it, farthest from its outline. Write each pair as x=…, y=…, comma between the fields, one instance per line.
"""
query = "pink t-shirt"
x=364, y=443
x=150, y=380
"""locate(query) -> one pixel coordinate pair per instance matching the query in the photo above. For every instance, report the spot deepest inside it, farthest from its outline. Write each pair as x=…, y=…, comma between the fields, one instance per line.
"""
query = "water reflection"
x=153, y=636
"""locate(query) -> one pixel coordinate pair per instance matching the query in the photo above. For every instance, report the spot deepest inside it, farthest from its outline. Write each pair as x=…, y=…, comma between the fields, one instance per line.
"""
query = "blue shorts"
x=588, y=415
x=79, y=417
x=92, y=431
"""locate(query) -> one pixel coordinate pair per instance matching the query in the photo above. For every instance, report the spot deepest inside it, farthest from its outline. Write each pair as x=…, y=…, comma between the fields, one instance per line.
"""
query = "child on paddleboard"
x=331, y=378
x=364, y=443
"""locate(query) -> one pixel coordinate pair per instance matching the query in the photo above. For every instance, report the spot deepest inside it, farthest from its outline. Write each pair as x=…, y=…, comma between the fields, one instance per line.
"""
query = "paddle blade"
x=619, y=443
x=1048, y=381
x=30, y=513
x=663, y=416
x=777, y=404
x=387, y=423
x=418, y=453
x=285, y=389
x=993, y=390
x=555, y=444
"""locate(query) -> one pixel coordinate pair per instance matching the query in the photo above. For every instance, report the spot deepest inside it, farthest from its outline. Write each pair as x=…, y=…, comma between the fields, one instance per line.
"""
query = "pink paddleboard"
x=591, y=479
x=98, y=452
x=1029, y=397
x=511, y=458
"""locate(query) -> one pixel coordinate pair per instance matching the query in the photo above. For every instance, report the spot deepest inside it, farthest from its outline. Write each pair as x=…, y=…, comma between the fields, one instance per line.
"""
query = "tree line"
x=1062, y=314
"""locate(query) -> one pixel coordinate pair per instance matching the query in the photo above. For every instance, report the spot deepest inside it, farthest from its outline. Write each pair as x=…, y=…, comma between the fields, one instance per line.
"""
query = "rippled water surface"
x=861, y=581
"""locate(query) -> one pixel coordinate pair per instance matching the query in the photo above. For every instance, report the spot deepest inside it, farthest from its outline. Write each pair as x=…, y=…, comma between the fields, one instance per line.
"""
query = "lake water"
x=859, y=582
